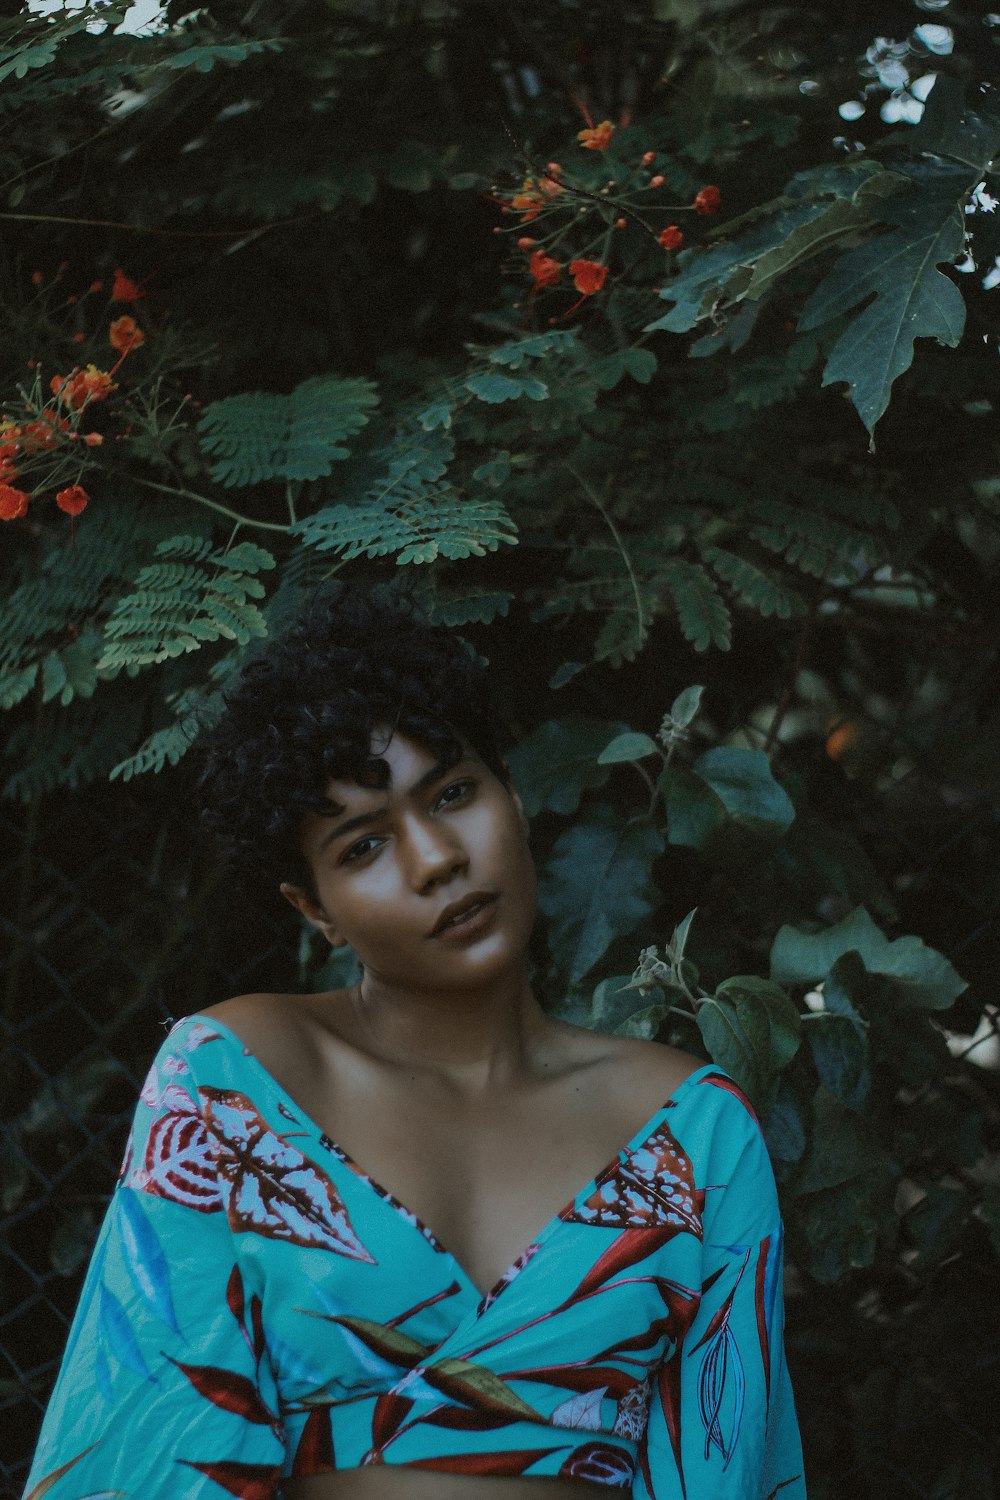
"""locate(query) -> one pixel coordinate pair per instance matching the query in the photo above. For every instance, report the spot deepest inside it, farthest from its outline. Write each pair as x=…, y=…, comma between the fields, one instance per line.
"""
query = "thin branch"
x=223, y=510
x=596, y=500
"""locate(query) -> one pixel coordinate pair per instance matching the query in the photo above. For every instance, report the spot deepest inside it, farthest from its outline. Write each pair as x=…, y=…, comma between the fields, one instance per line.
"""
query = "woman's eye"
x=360, y=849
x=458, y=791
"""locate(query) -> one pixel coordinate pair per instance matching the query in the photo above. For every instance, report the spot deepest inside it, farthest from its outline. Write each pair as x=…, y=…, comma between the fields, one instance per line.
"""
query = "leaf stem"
x=223, y=510
x=596, y=500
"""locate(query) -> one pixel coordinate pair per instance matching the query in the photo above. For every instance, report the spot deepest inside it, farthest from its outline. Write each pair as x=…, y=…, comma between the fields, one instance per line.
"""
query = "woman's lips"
x=470, y=924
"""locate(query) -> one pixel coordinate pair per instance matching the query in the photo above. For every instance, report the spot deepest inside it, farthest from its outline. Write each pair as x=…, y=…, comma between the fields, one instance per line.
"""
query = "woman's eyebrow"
x=361, y=820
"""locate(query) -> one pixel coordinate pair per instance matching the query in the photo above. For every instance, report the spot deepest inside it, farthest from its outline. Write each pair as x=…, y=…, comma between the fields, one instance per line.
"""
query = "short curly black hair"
x=306, y=709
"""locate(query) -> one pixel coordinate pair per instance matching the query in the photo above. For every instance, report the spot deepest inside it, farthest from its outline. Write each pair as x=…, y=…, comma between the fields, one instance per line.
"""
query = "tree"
x=669, y=330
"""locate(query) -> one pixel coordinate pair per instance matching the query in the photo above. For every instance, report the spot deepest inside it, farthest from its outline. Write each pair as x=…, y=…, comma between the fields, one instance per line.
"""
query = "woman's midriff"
x=385, y=1483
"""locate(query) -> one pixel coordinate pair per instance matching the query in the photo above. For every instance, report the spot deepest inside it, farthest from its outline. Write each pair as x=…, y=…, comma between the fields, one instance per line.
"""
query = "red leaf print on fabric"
x=230, y=1391
x=248, y=1481
x=601, y=1465
x=234, y=1298
x=514, y=1461
x=761, y=1313
x=718, y=1081
x=654, y=1186
x=314, y=1455
x=270, y=1188
x=465, y=1420
x=577, y=1377
x=179, y=1160
x=631, y=1247
x=388, y=1414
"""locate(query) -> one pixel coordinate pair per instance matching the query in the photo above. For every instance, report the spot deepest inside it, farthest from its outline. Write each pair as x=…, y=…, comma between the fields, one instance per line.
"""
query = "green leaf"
x=495, y=389
x=645, y=1023
x=626, y=747
x=721, y=273
x=921, y=976
x=598, y=886
x=704, y=618
x=899, y=271
x=639, y=363
x=840, y=1052
x=513, y=355
x=685, y=707
x=557, y=763
x=842, y=219
x=694, y=810
x=743, y=782
x=438, y=414
x=751, y=1028
x=258, y=436
x=53, y=676
x=783, y=1126
x=937, y=1223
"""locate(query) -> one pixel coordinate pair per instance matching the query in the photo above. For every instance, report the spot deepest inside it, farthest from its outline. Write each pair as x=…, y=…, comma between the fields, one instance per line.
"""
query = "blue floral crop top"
x=257, y=1307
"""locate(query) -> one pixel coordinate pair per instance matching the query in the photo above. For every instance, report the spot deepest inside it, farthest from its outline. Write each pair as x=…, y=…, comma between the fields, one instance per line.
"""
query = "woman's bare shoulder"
x=642, y=1063
x=274, y=1025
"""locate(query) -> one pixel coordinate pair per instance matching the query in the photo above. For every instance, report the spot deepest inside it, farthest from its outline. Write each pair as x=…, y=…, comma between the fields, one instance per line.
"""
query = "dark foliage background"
x=311, y=190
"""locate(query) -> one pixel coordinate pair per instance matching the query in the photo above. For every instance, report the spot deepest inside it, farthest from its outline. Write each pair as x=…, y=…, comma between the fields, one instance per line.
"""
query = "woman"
x=415, y=1239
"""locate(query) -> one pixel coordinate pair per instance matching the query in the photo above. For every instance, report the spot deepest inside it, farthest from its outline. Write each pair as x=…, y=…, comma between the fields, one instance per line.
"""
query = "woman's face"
x=389, y=865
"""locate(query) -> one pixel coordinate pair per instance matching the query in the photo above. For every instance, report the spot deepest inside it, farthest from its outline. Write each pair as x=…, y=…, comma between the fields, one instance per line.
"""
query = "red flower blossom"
x=93, y=439
x=123, y=288
x=82, y=386
x=671, y=238
x=588, y=276
x=73, y=499
x=657, y=181
x=78, y=338
x=598, y=138
x=648, y=158
x=13, y=503
x=37, y=278
x=125, y=334
x=544, y=269
x=96, y=286
x=708, y=200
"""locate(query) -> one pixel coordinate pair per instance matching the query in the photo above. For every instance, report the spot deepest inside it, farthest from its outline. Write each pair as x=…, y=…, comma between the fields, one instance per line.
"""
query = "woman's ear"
x=314, y=915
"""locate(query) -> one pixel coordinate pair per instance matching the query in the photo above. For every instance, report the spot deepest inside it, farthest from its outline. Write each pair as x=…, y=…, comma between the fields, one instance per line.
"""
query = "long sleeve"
x=165, y=1387
x=722, y=1422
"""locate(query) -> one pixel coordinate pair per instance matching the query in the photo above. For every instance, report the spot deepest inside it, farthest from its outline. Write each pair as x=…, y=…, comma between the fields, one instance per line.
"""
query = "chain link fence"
x=116, y=921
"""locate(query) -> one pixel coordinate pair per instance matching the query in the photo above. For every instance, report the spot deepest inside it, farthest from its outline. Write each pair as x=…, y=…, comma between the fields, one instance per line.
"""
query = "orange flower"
x=13, y=503
x=78, y=338
x=588, y=276
x=671, y=238
x=73, y=499
x=82, y=386
x=37, y=278
x=842, y=736
x=93, y=439
x=708, y=200
x=125, y=334
x=598, y=138
x=544, y=269
x=96, y=286
x=123, y=288
x=527, y=205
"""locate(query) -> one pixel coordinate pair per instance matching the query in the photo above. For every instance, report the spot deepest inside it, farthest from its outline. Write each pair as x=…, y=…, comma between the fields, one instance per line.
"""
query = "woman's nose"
x=435, y=852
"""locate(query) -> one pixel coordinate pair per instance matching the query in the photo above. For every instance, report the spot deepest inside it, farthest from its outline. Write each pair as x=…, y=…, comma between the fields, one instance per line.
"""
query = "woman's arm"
x=722, y=1423
x=165, y=1386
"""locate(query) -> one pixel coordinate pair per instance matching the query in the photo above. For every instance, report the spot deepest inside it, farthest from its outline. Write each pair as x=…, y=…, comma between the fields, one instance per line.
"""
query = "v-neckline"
x=485, y=1299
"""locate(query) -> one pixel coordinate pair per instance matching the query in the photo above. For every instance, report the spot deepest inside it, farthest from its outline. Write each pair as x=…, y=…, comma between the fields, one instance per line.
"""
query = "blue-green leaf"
x=598, y=886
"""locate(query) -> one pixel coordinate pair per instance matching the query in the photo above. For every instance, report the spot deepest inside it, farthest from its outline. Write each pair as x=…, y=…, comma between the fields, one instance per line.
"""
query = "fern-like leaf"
x=704, y=619
x=195, y=711
x=179, y=606
x=259, y=436
x=417, y=529
x=753, y=585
